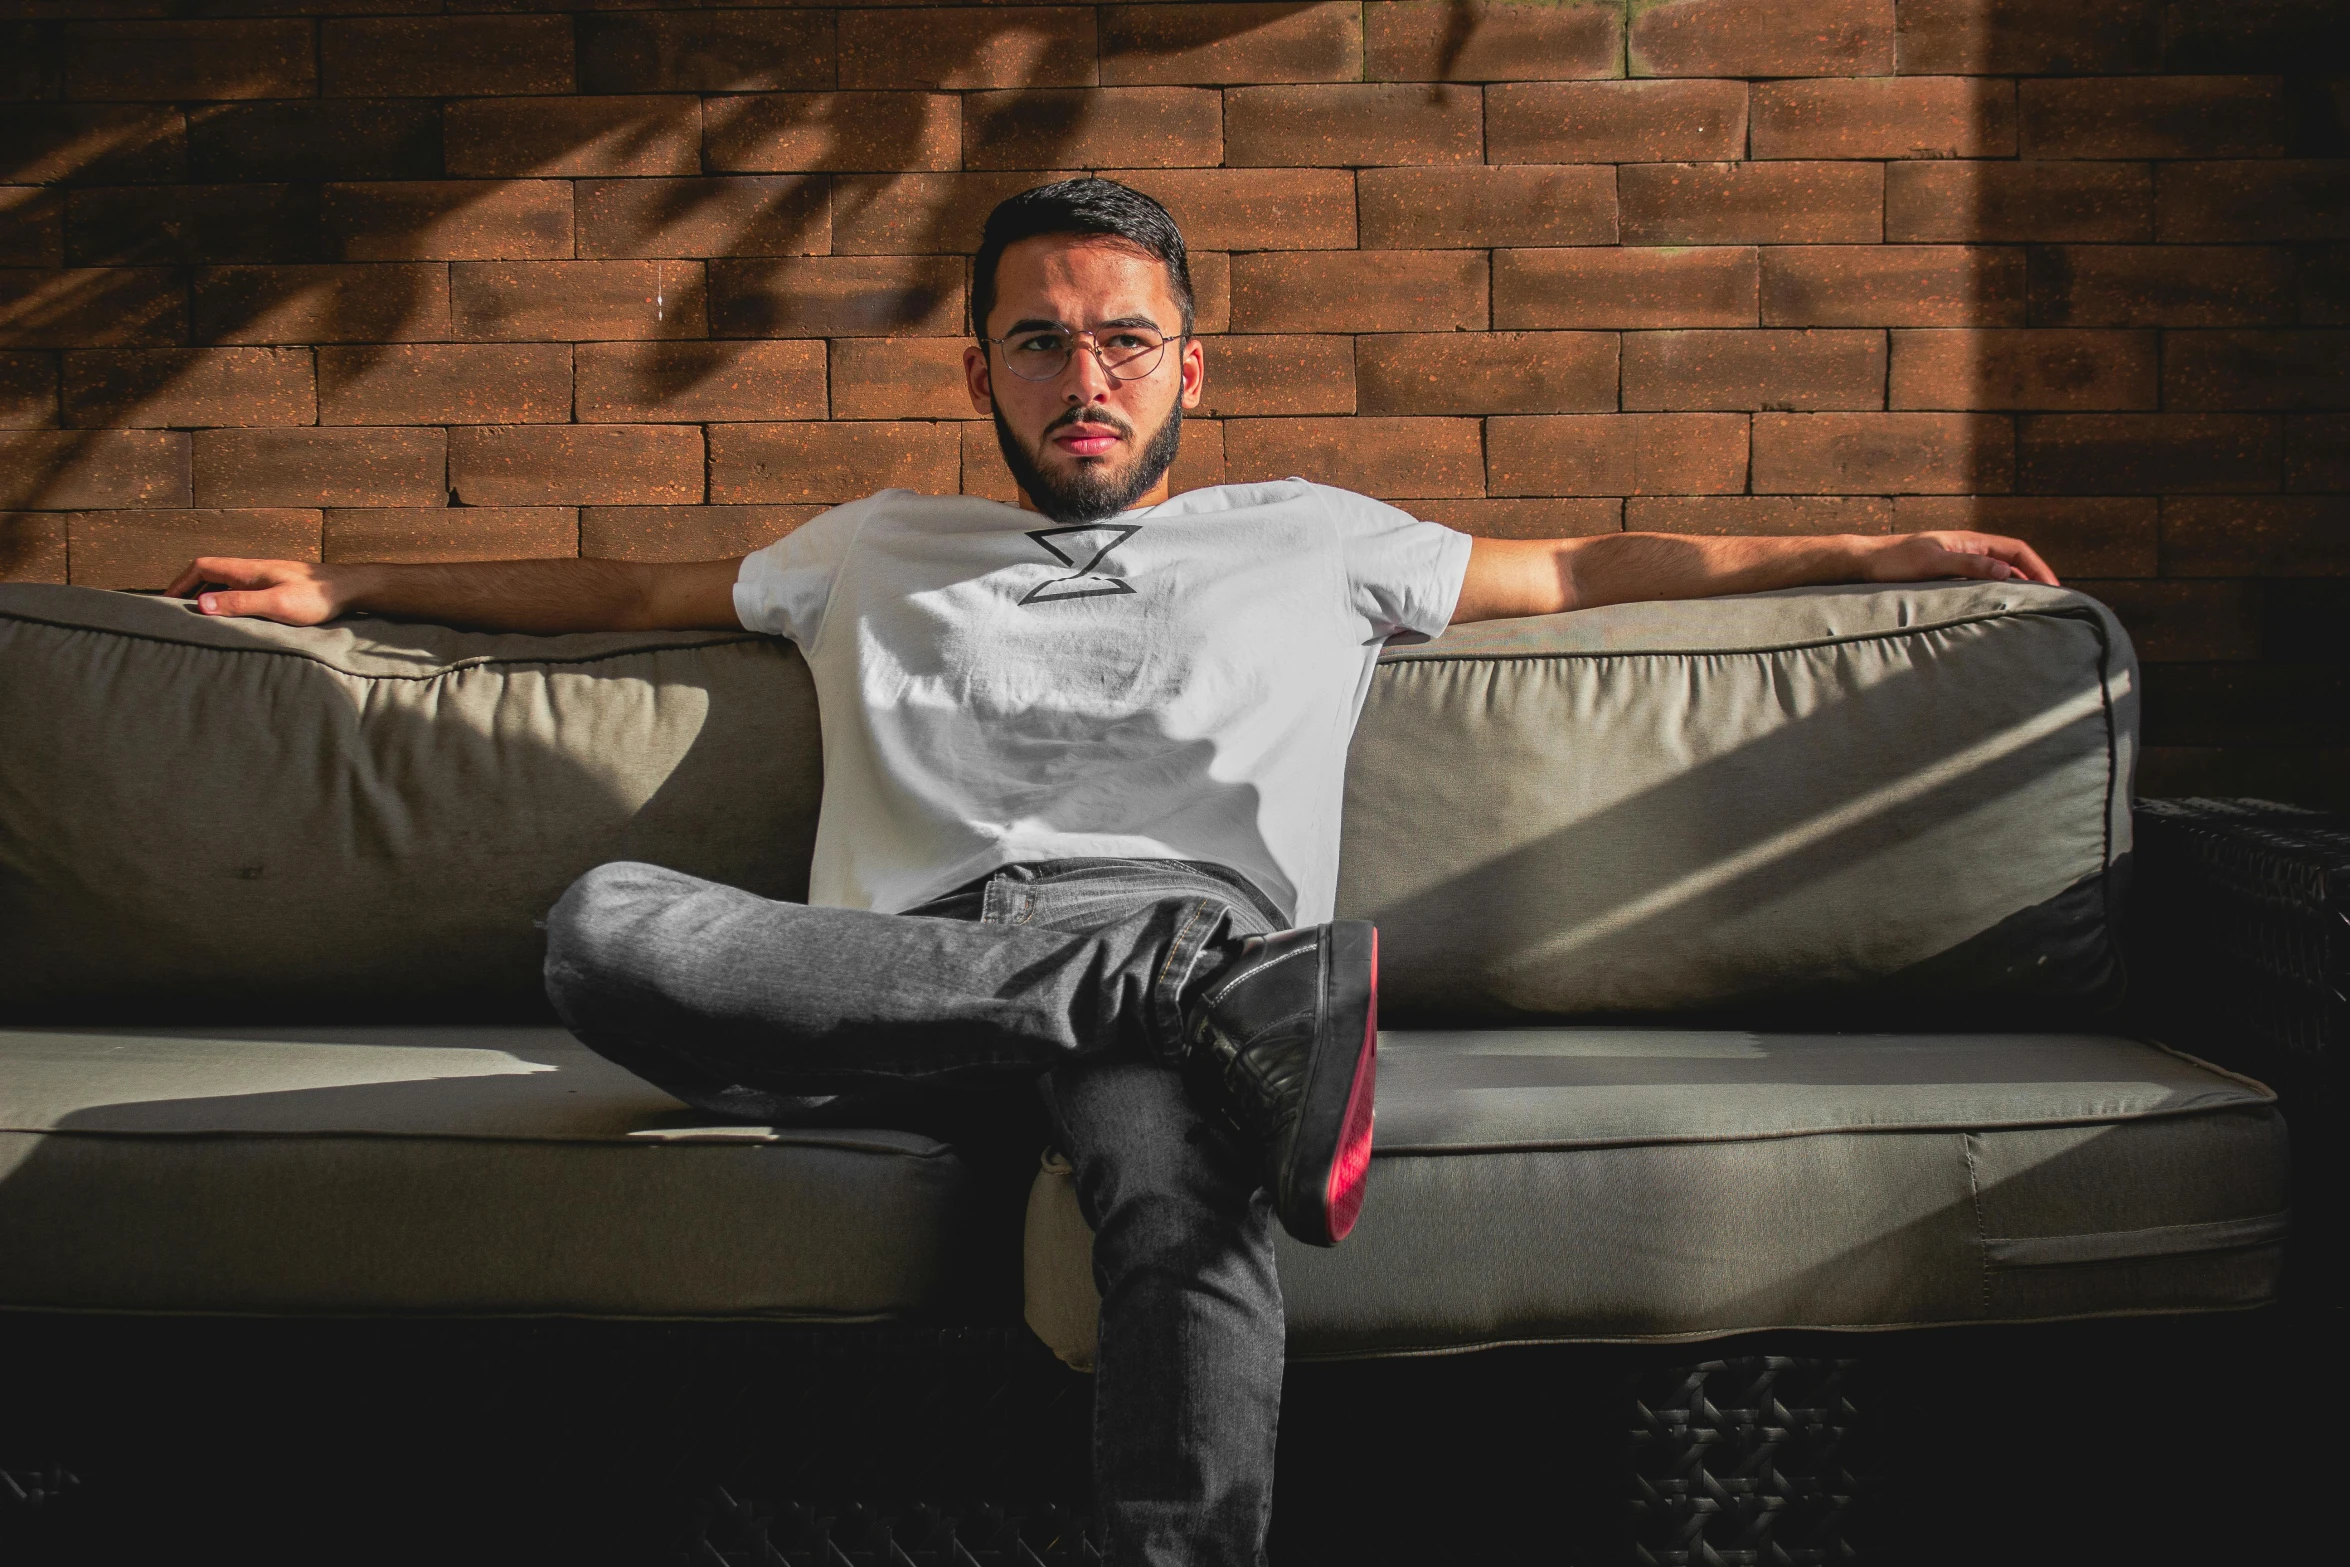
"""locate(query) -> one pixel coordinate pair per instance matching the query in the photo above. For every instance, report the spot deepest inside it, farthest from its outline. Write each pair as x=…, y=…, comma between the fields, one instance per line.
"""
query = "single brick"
x=1211, y=288
x=2147, y=453
x=673, y=533
x=832, y=461
x=1762, y=38
x=558, y=301
x=2028, y=368
x=982, y=469
x=116, y=307
x=1094, y=127
x=2233, y=202
x=372, y=302
x=705, y=51
x=449, y=220
x=316, y=139
x=127, y=225
x=2255, y=536
x=575, y=464
x=896, y=378
x=1710, y=286
x=2251, y=35
x=184, y=386
x=733, y=215
x=92, y=143
x=53, y=469
x=147, y=549
x=1254, y=209
x=1616, y=454
x=1754, y=368
x=1544, y=517
x=918, y=214
x=1783, y=516
x=445, y=383
x=2184, y=622
x=1218, y=45
x=1372, y=454
x=625, y=382
x=1885, y=117
x=1892, y=285
x=1490, y=41
x=2276, y=369
x=1364, y=124
x=1008, y=46
x=28, y=391
x=1616, y=122
x=433, y=533
x=175, y=61
x=1487, y=372
x=1882, y=454
x=1273, y=374
x=1359, y=291
x=2028, y=37
x=2079, y=536
x=1524, y=204
x=784, y=132
x=2268, y=706
x=837, y=296
x=510, y=136
x=2156, y=117
x=2317, y=452
x=445, y=56
x=1751, y=203
x=2161, y=285
x=2018, y=201
x=323, y=467
x=32, y=226
x=32, y=546
x=2325, y=285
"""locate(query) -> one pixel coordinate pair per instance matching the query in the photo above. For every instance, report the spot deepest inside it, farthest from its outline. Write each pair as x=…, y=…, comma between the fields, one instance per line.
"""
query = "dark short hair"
x=1080, y=206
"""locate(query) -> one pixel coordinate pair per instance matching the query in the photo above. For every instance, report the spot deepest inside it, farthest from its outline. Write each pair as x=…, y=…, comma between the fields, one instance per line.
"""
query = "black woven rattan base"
x=731, y=1532
x=1742, y=1463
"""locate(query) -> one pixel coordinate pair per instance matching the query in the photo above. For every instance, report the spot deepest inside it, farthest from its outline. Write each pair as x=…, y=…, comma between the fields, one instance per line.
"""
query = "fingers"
x=232, y=603
x=2026, y=560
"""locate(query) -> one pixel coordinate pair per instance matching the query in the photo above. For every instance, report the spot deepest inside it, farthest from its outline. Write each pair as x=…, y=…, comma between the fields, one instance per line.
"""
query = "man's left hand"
x=1921, y=557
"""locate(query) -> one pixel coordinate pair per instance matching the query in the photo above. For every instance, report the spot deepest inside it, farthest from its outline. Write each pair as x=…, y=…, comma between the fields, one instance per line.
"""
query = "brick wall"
x=660, y=283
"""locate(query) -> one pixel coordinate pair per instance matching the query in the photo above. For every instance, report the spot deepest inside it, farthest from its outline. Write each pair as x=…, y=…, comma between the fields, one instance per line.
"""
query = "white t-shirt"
x=1178, y=682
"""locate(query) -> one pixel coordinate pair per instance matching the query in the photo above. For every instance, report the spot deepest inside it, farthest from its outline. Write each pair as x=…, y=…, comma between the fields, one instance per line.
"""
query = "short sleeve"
x=782, y=589
x=1404, y=574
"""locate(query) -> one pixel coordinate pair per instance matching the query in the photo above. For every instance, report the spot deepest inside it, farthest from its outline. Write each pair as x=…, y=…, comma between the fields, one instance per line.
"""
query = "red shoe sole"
x=1342, y=1198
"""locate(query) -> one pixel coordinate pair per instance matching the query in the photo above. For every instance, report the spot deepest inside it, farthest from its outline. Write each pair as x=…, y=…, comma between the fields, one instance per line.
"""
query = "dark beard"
x=1091, y=494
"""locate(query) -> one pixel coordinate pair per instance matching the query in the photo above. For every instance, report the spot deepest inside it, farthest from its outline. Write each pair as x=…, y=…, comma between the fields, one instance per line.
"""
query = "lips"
x=1086, y=440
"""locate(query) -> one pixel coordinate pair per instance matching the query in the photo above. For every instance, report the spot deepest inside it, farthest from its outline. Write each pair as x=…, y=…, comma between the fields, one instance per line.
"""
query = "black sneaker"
x=1287, y=1034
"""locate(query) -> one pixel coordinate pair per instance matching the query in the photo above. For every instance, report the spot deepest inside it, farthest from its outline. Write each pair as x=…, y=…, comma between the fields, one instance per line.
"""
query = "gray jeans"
x=1071, y=972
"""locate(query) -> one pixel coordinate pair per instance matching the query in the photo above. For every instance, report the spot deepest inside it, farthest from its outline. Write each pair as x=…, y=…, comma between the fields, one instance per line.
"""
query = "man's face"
x=1085, y=445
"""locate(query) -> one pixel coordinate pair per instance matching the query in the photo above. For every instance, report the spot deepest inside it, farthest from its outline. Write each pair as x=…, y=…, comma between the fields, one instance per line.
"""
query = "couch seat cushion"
x=439, y=1169
x=1596, y=1183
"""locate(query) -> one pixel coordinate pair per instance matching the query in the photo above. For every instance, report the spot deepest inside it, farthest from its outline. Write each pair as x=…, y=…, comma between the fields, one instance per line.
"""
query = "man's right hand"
x=294, y=592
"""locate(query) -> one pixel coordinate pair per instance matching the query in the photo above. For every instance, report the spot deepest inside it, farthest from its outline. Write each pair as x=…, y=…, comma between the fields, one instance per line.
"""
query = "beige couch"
x=1749, y=964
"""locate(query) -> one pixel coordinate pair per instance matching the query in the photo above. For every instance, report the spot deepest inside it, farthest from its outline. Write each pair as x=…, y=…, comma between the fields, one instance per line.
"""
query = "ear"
x=1194, y=371
x=977, y=380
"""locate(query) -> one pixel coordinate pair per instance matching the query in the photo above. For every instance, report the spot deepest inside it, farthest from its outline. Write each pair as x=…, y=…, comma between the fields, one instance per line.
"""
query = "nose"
x=1087, y=381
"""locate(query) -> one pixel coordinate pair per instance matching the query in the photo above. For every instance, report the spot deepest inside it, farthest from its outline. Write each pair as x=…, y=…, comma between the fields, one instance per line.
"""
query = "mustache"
x=1101, y=416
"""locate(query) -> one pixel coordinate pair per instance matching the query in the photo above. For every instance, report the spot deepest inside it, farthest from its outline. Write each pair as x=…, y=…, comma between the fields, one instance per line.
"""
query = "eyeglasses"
x=1126, y=353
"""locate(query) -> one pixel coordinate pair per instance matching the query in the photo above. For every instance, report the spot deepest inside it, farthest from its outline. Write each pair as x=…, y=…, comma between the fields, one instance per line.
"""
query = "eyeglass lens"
x=1128, y=352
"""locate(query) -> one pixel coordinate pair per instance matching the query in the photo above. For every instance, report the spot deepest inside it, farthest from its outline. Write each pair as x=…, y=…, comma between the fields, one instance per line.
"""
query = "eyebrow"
x=1038, y=324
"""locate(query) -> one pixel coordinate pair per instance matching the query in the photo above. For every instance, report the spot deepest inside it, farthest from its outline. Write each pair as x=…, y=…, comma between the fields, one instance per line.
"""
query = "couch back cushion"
x=1867, y=798
x=1915, y=794
x=232, y=818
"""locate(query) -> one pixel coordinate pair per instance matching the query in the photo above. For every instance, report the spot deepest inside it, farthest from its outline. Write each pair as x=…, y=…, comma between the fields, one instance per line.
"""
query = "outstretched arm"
x=492, y=595
x=1511, y=577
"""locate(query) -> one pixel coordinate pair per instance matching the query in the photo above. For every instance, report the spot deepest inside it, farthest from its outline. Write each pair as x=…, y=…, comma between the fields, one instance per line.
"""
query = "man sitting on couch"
x=1080, y=816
